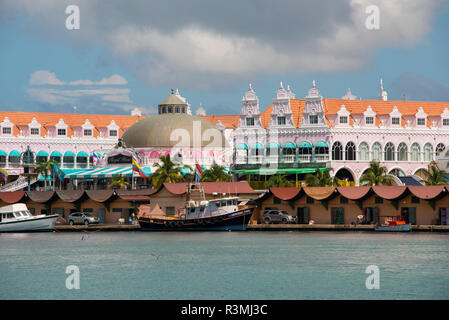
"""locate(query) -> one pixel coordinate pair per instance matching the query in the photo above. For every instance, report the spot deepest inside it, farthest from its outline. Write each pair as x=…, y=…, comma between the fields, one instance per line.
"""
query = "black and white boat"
x=17, y=218
x=227, y=213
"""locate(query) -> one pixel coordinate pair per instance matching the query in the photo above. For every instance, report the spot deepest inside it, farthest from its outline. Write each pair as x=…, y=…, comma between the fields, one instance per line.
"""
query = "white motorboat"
x=17, y=218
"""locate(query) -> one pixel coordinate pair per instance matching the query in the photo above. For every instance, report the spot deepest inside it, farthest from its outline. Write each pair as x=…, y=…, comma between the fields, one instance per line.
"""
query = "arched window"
x=402, y=152
x=350, y=151
x=389, y=152
x=440, y=148
x=415, y=152
x=428, y=152
x=363, y=152
x=377, y=152
x=337, y=151
x=170, y=109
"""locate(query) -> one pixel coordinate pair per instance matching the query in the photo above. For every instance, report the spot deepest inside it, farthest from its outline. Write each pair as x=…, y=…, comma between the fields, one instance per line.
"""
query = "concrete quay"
x=255, y=227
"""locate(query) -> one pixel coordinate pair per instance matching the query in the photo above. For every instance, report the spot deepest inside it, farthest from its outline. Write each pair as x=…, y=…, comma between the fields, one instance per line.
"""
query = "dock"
x=255, y=227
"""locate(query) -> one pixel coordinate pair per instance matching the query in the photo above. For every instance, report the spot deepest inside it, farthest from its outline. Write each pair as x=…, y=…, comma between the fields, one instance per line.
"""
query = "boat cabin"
x=208, y=208
x=18, y=211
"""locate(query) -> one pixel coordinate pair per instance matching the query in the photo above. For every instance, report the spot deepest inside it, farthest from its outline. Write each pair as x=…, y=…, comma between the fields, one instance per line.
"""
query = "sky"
x=129, y=54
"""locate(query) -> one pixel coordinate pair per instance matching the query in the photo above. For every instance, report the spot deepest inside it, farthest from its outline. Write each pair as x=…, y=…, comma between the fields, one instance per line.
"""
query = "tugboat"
x=393, y=224
x=17, y=218
x=200, y=214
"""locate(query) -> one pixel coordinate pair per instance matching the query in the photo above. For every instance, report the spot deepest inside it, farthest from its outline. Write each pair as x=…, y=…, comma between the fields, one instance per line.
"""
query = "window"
x=281, y=121
x=337, y=151
x=395, y=121
x=350, y=151
x=313, y=119
x=309, y=200
x=402, y=152
x=369, y=120
x=440, y=148
x=377, y=152
x=445, y=122
x=415, y=199
x=170, y=109
x=344, y=120
x=415, y=152
x=421, y=121
x=113, y=133
x=6, y=130
x=34, y=131
x=363, y=151
x=428, y=152
x=249, y=121
x=164, y=109
x=378, y=200
x=276, y=200
x=343, y=200
x=61, y=132
x=88, y=132
x=389, y=152
x=176, y=109
x=170, y=211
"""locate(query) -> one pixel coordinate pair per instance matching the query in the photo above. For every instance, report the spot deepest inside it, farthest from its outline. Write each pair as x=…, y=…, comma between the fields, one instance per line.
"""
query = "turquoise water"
x=224, y=265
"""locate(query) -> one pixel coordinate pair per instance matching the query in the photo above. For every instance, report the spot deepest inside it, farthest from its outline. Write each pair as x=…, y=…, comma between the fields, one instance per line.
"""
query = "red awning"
x=135, y=198
x=285, y=193
x=40, y=196
x=240, y=187
x=70, y=195
x=389, y=192
x=426, y=192
x=176, y=188
x=353, y=193
x=12, y=197
x=319, y=193
x=100, y=195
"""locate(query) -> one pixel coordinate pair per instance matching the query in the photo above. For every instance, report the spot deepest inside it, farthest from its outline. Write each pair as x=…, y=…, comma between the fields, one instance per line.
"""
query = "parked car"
x=82, y=218
x=274, y=215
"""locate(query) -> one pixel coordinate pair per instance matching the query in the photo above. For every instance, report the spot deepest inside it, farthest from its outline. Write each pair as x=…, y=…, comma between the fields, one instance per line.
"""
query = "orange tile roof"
x=71, y=119
x=229, y=121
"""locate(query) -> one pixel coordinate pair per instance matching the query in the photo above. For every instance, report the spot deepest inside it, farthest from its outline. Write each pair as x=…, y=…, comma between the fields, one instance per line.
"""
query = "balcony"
x=288, y=158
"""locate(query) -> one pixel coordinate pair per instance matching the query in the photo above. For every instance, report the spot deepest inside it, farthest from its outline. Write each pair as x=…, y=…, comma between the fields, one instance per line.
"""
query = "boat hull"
x=232, y=221
x=396, y=228
x=35, y=224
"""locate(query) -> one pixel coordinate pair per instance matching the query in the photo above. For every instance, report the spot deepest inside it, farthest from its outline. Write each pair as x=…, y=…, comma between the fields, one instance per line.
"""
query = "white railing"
x=241, y=160
x=255, y=159
x=288, y=158
x=18, y=184
x=321, y=157
x=304, y=157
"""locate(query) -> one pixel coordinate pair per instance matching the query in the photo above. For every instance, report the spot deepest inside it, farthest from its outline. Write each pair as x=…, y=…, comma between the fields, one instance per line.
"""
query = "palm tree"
x=278, y=180
x=320, y=179
x=376, y=175
x=215, y=173
x=167, y=171
x=434, y=176
x=46, y=169
x=119, y=182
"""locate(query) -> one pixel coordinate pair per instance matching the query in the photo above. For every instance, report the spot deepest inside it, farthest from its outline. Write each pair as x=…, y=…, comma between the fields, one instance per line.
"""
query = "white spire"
x=281, y=87
x=382, y=94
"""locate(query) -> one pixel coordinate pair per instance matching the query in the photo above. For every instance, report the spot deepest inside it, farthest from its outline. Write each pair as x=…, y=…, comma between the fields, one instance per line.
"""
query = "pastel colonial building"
x=297, y=136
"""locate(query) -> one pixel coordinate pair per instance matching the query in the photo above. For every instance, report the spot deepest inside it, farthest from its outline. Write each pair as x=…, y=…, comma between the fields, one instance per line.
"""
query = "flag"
x=198, y=167
x=94, y=157
x=197, y=176
x=138, y=155
x=3, y=174
x=138, y=169
x=57, y=172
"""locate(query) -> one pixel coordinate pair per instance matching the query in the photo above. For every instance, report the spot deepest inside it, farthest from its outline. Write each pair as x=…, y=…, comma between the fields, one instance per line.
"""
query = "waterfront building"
x=297, y=136
x=419, y=205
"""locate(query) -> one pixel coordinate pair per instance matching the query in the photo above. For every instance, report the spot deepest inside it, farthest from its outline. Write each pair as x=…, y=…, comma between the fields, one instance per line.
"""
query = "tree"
x=166, y=171
x=118, y=181
x=278, y=180
x=45, y=168
x=215, y=173
x=320, y=179
x=376, y=175
x=435, y=177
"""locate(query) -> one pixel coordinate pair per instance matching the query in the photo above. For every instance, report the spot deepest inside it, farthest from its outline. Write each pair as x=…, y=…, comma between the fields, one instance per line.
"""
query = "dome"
x=155, y=131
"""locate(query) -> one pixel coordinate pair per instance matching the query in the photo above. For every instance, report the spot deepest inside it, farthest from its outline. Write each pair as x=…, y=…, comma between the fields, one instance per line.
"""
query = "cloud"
x=200, y=43
x=43, y=77
x=105, y=96
x=115, y=79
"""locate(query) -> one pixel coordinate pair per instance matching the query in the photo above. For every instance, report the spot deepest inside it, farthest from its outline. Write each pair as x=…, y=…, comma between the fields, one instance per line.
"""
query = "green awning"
x=305, y=144
x=42, y=153
x=14, y=153
x=257, y=145
x=279, y=171
x=273, y=145
x=242, y=146
x=288, y=145
x=69, y=154
x=56, y=154
x=321, y=144
x=3, y=153
x=82, y=154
